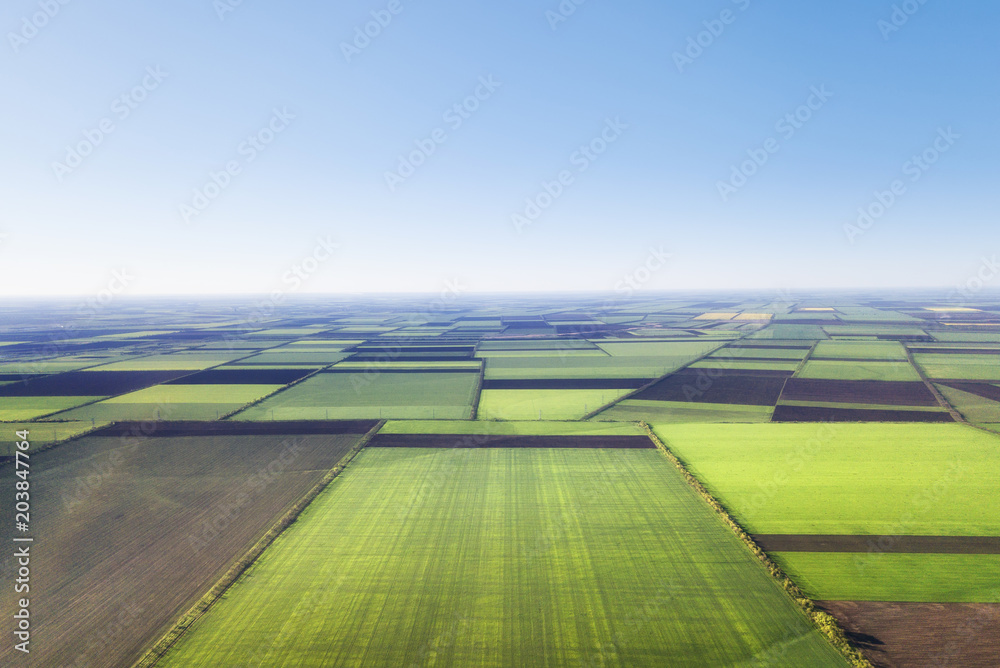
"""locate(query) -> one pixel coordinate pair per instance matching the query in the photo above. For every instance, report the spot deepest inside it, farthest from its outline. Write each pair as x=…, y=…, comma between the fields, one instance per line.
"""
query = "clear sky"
x=115, y=116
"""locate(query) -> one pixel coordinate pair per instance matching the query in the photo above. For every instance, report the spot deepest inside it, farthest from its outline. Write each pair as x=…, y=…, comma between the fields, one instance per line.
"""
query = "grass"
x=192, y=361
x=506, y=557
x=676, y=350
x=28, y=408
x=684, y=411
x=530, y=427
x=371, y=395
x=543, y=404
x=967, y=367
x=573, y=366
x=871, y=350
x=972, y=407
x=737, y=351
x=41, y=434
x=845, y=370
x=933, y=578
x=801, y=332
x=837, y=478
x=761, y=365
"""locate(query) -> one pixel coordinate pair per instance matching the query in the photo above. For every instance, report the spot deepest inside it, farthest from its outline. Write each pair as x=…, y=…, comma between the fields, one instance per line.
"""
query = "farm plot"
x=501, y=556
x=543, y=404
x=173, y=402
x=977, y=402
x=848, y=478
x=858, y=370
x=961, y=367
x=915, y=634
x=136, y=529
x=860, y=350
x=329, y=395
x=684, y=411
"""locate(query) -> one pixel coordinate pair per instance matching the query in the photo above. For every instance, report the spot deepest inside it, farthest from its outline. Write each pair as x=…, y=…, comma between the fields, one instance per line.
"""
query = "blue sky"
x=205, y=81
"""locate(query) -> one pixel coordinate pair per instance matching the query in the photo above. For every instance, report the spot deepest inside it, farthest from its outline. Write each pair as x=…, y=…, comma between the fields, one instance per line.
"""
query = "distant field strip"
x=506, y=557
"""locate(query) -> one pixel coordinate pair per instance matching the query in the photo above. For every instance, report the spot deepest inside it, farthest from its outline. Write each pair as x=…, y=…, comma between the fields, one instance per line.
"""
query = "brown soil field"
x=984, y=390
x=823, y=414
x=506, y=441
x=130, y=532
x=893, y=393
x=89, y=383
x=717, y=387
x=878, y=544
x=566, y=384
x=243, y=377
x=237, y=428
x=921, y=635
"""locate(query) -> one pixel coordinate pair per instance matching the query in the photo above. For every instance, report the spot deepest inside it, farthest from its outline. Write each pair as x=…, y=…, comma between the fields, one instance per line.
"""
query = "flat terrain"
x=129, y=532
x=501, y=557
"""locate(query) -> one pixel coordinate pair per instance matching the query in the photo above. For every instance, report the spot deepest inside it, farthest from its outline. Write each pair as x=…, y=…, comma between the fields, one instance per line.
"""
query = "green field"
x=869, y=350
x=965, y=367
x=530, y=427
x=173, y=402
x=406, y=395
x=684, y=411
x=506, y=557
x=850, y=370
x=13, y=409
x=935, y=578
x=838, y=478
x=543, y=404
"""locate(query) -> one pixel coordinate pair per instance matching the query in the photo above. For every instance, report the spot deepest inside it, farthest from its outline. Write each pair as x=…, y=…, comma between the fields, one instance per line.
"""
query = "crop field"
x=137, y=527
x=511, y=508
x=422, y=570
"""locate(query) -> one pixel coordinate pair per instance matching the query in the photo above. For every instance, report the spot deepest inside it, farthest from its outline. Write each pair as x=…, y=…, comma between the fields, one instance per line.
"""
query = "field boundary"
x=654, y=381
x=205, y=603
x=958, y=417
x=478, y=389
x=823, y=621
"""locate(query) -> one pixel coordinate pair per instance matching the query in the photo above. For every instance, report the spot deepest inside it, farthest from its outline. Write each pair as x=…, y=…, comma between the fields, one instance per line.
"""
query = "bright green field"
x=371, y=395
x=574, y=366
x=803, y=332
x=543, y=404
x=972, y=406
x=529, y=427
x=41, y=433
x=173, y=402
x=763, y=365
x=968, y=367
x=671, y=349
x=872, y=350
x=193, y=361
x=684, y=411
x=737, y=351
x=505, y=557
x=847, y=370
x=29, y=408
x=839, y=478
x=977, y=337
x=938, y=578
